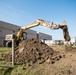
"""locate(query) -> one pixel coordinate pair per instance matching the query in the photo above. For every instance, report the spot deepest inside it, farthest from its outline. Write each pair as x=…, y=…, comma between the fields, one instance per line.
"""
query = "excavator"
x=19, y=36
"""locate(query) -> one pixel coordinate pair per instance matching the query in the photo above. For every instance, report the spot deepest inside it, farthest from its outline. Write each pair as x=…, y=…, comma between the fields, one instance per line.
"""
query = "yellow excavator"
x=19, y=37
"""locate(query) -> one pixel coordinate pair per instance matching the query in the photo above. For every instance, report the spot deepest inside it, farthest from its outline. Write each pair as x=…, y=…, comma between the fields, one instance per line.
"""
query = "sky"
x=23, y=12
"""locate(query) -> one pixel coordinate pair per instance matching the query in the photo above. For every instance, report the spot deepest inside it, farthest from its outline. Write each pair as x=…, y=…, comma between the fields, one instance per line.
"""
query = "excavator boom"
x=34, y=24
x=44, y=23
x=30, y=25
x=37, y=23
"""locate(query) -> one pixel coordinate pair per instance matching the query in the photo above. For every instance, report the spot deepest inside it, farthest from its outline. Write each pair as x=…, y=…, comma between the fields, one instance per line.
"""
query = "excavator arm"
x=47, y=24
x=34, y=24
x=37, y=23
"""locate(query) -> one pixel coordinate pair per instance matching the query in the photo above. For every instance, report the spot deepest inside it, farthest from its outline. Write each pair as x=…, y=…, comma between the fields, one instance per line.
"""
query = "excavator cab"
x=24, y=36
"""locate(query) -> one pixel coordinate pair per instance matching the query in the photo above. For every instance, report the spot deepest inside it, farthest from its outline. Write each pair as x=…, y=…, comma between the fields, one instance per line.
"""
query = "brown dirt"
x=67, y=65
x=61, y=59
x=34, y=51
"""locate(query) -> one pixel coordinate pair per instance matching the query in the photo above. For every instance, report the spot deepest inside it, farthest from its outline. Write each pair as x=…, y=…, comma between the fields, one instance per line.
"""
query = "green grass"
x=16, y=70
x=3, y=51
x=74, y=46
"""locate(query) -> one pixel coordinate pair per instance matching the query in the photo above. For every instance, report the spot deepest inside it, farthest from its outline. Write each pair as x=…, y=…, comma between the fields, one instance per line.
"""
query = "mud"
x=34, y=51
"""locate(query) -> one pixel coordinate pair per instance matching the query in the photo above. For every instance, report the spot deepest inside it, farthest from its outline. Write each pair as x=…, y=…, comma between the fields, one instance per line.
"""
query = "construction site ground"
x=61, y=62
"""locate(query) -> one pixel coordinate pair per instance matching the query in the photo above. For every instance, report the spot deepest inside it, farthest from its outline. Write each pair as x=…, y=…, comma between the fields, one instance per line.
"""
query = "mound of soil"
x=33, y=51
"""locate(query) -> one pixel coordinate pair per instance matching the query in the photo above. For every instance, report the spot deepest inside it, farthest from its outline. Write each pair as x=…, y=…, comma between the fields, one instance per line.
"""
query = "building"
x=31, y=34
x=73, y=40
x=44, y=36
x=7, y=28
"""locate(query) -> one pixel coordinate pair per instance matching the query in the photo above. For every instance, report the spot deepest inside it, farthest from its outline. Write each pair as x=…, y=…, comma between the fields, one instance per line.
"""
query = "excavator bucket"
x=64, y=27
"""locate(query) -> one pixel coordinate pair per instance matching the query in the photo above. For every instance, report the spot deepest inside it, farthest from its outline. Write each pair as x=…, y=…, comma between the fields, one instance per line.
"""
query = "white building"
x=73, y=40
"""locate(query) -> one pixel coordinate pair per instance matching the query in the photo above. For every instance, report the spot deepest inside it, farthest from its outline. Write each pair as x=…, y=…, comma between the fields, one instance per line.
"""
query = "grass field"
x=5, y=68
x=3, y=51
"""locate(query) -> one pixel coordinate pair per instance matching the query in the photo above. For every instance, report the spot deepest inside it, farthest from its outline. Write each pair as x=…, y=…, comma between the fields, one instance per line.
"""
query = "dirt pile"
x=34, y=51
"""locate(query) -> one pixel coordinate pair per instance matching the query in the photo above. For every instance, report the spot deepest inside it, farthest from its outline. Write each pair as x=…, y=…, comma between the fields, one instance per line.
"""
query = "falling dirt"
x=65, y=32
x=34, y=51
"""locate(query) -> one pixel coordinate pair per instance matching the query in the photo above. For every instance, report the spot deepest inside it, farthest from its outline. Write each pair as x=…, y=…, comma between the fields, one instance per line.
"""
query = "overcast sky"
x=23, y=12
